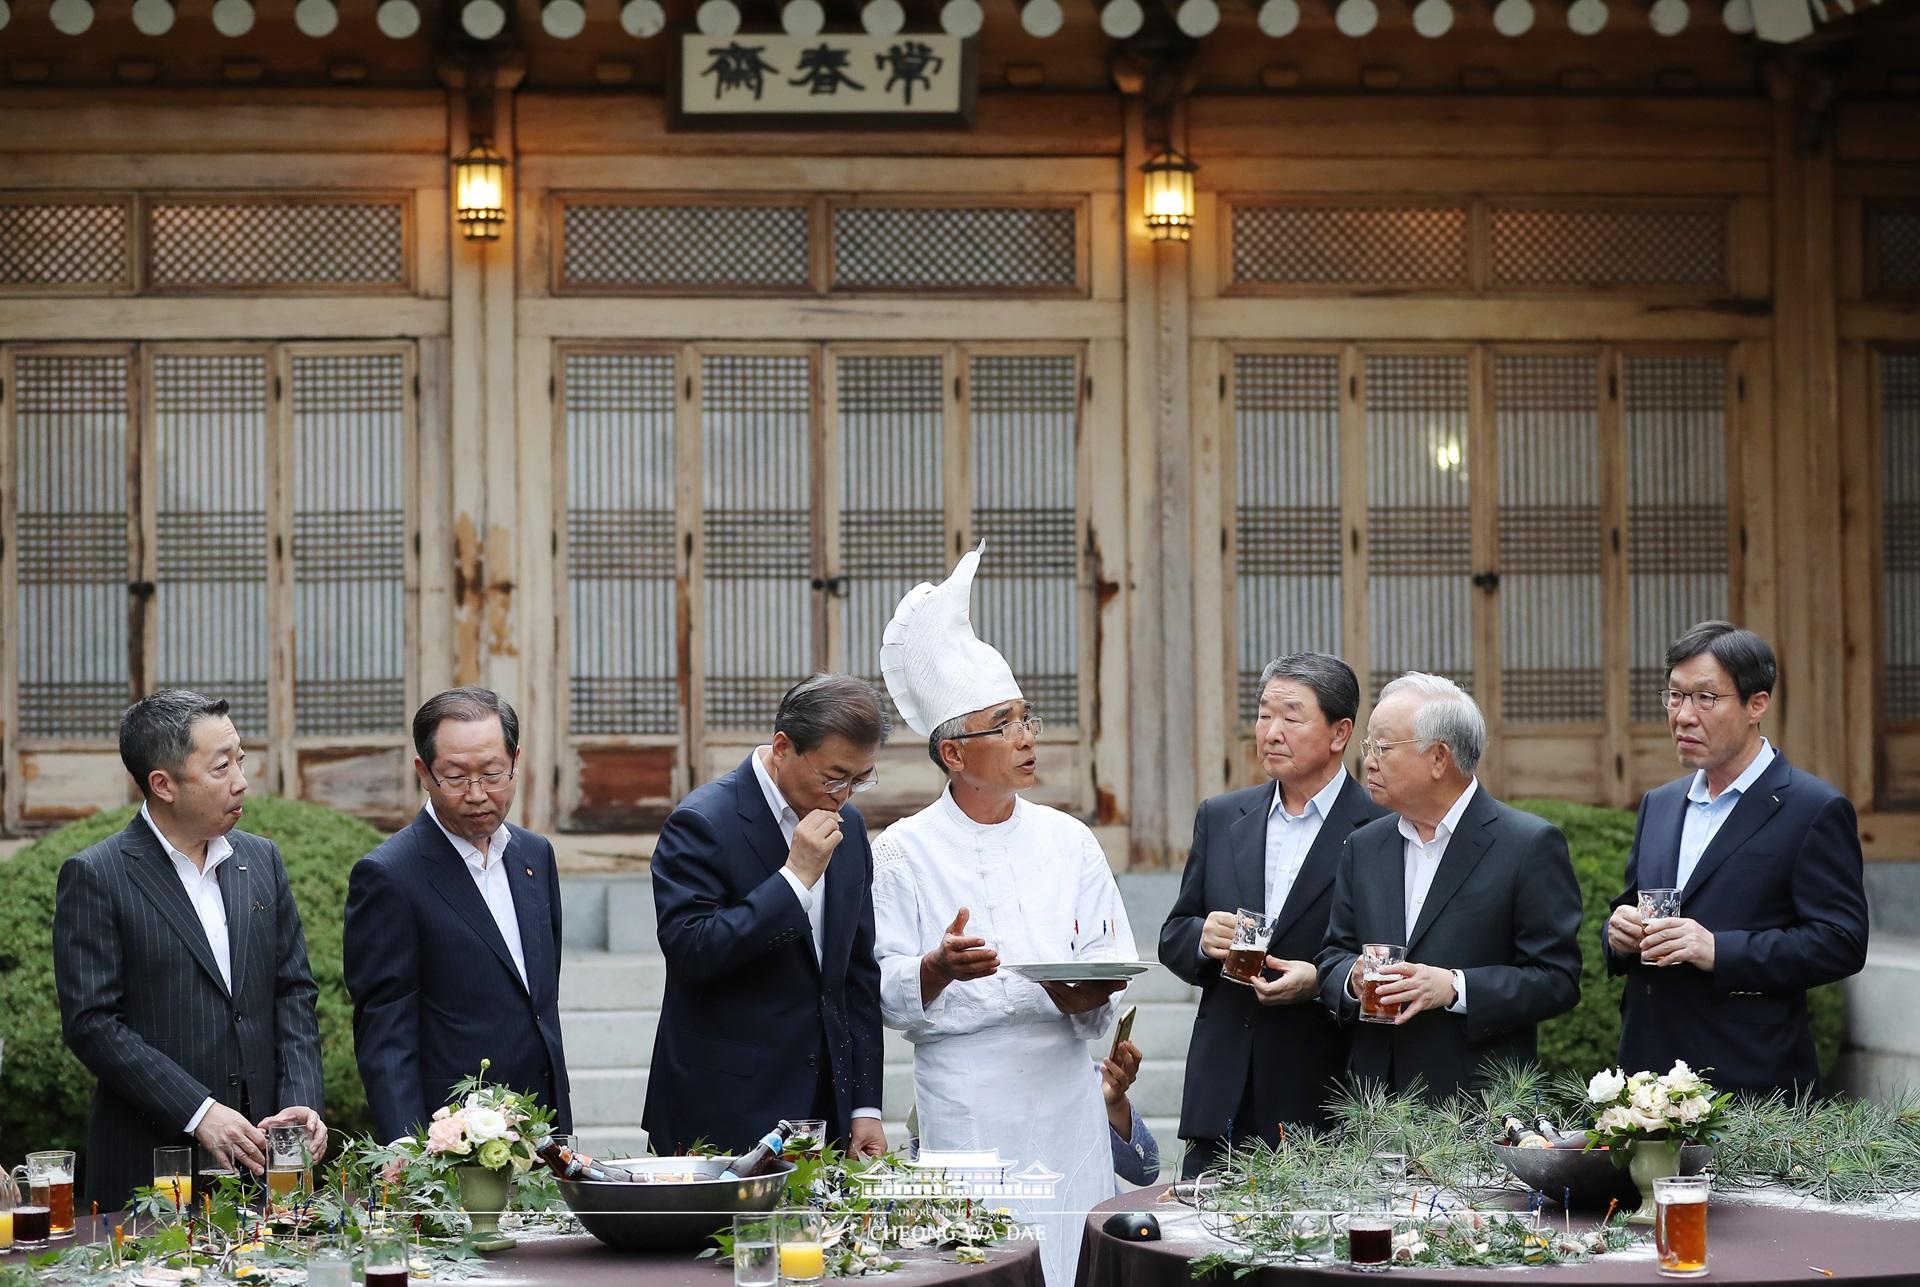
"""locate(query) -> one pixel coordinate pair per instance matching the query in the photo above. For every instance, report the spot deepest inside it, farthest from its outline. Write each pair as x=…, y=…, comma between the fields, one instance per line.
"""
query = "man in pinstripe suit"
x=181, y=965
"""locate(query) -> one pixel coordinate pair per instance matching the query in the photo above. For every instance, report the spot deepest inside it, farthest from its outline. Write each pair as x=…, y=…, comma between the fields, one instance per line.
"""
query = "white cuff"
x=1459, y=1005
x=874, y=1113
x=800, y=890
x=193, y=1123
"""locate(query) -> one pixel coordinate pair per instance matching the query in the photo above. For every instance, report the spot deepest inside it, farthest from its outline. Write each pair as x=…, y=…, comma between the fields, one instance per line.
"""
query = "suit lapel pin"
x=529, y=871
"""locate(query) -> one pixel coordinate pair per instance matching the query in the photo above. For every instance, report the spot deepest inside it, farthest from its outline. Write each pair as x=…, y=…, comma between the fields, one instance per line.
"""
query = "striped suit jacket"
x=143, y=1006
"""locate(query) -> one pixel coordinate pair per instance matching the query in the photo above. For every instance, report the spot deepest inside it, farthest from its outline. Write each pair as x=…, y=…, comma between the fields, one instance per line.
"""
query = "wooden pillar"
x=1161, y=688
x=485, y=462
x=1807, y=513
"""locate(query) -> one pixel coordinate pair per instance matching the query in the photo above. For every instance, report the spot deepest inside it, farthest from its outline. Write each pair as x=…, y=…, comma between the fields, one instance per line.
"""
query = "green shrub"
x=47, y=1091
x=1587, y=1038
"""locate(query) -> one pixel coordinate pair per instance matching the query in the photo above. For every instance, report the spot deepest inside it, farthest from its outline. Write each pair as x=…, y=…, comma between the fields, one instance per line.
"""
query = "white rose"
x=1681, y=1080
x=1687, y=1111
x=1644, y=1121
x=1605, y=1086
x=1640, y=1078
x=485, y=1124
x=1613, y=1121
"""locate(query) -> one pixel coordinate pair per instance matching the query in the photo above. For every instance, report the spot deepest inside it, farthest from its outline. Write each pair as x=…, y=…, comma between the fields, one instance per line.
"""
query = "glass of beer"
x=803, y=1252
x=287, y=1161
x=30, y=1223
x=1680, y=1224
x=173, y=1175
x=1657, y=903
x=1247, y=954
x=1374, y=958
x=1369, y=1241
x=51, y=1176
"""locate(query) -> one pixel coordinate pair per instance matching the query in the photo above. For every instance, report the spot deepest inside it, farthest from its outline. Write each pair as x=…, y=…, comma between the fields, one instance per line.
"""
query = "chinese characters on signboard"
x=762, y=75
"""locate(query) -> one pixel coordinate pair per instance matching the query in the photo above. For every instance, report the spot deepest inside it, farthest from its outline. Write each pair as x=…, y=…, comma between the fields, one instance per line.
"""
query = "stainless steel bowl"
x=671, y=1215
x=1588, y=1180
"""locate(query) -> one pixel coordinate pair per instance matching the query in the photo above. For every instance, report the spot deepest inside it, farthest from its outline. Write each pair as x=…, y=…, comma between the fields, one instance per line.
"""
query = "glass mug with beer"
x=51, y=1173
x=1656, y=904
x=1247, y=954
x=1680, y=1224
x=289, y=1167
x=1374, y=958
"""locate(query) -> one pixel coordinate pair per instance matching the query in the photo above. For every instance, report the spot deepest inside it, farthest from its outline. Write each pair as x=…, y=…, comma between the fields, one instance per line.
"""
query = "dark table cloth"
x=577, y=1260
x=1749, y=1245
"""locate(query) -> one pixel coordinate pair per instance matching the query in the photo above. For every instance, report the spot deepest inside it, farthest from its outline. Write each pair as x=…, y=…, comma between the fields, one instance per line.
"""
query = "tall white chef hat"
x=935, y=666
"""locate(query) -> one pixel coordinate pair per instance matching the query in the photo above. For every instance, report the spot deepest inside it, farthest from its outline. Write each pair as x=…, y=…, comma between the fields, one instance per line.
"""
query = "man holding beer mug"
x=1274, y=847
x=181, y=965
x=1766, y=861
x=1464, y=911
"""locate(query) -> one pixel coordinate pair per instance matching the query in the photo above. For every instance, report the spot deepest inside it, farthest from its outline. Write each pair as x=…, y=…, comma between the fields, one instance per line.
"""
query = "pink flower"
x=392, y=1171
x=448, y=1135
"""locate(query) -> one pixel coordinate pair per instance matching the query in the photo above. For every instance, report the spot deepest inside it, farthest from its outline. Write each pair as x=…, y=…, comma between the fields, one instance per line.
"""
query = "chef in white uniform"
x=981, y=877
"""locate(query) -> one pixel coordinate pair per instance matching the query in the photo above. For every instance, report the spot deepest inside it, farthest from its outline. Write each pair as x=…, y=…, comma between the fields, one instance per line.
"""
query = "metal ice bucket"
x=671, y=1215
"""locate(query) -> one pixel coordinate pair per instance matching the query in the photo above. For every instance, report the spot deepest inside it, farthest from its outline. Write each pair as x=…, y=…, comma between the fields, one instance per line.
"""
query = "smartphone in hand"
x=1123, y=1029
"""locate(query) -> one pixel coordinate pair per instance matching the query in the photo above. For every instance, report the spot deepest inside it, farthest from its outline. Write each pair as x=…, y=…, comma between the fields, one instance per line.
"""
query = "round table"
x=578, y=1260
x=1754, y=1245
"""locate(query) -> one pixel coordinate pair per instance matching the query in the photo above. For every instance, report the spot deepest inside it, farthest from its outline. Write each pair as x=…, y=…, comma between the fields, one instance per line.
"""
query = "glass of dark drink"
x=51, y=1177
x=1369, y=1241
x=1247, y=954
x=386, y=1260
x=1374, y=958
x=28, y=1220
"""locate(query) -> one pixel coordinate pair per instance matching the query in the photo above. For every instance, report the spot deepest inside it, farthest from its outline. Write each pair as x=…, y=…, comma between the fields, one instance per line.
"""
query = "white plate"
x=1081, y=971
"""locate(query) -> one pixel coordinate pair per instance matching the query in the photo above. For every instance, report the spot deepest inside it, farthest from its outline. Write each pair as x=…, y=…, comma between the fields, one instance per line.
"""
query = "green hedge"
x=46, y=1091
x=1587, y=1038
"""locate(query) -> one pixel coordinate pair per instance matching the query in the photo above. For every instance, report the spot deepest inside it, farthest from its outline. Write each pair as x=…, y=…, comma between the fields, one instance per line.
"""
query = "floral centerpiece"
x=1644, y=1119
x=475, y=1151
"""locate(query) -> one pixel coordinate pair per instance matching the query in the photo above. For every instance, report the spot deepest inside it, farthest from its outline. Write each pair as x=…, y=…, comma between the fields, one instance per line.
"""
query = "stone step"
x=612, y=981
x=623, y=1038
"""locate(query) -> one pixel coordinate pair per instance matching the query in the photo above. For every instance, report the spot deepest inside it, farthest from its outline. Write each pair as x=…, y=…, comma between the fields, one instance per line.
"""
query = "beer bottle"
x=760, y=1156
x=1521, y=1135
x=1547, y=1129
x=568, y=1165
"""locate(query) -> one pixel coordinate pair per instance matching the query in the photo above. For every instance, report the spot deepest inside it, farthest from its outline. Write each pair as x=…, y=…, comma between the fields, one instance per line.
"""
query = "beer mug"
x=30, y=1222
x=1247, y=954
x=1657, y=904
x=287, y=1161
x=51, y=1175
x=1373, y=958
x=1680, y=1224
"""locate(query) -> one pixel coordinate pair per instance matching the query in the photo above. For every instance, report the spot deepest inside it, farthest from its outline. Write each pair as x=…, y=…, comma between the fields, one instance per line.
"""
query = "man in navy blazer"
x=1267, y=1053
x=763, y=886
x=452, y=937
x=1767, y=862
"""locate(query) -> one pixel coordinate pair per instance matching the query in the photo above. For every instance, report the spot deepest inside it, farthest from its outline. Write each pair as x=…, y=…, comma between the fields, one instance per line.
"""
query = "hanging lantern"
x=1169, y=196
x=480, y=192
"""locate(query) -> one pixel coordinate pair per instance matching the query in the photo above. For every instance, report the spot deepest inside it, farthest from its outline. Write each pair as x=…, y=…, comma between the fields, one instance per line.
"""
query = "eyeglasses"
x=485, y=781
x=852, y=786
x=1372, y=746
x=1011, y=730
x=1675, y=698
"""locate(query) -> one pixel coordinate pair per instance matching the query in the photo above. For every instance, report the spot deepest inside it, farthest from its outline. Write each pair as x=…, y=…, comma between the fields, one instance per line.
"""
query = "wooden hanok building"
x=1503, y=340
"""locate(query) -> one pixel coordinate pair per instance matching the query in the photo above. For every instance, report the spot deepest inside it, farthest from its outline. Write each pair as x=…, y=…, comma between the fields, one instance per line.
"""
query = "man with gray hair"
x=763, y=891
x=1480, y=898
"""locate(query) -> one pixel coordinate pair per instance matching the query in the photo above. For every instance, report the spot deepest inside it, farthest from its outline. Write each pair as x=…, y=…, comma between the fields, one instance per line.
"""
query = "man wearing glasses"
x=763, y=890
x=1766, y=860
x=452, y=939
x=977, y=877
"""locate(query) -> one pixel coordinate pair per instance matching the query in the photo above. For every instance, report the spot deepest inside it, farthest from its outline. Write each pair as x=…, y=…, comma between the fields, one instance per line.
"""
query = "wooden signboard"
x=761, y=81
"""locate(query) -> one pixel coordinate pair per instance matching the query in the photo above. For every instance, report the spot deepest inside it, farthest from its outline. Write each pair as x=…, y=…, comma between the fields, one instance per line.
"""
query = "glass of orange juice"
x=173, y=1175
x=803, y=1253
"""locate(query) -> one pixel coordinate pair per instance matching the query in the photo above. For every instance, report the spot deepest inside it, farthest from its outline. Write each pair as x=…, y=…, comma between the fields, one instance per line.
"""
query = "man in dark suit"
x=1482, y=897
x=1767, y=862
x=1266, y=1054
x=181, y=965
x=452, y=935
x=762, y=883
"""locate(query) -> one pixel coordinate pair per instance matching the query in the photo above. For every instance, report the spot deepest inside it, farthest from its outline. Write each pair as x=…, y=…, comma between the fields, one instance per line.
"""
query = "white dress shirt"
x=1422, y=862
x=812, y=901
x=1706, y=811
x=203, y=891
x=490, y=878
x=1290, y=837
